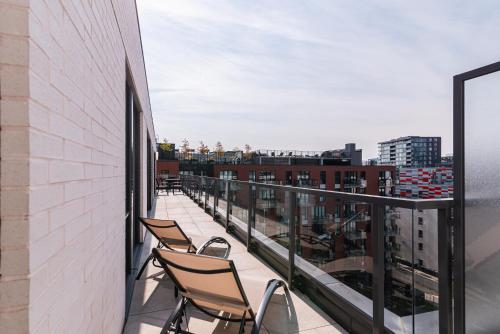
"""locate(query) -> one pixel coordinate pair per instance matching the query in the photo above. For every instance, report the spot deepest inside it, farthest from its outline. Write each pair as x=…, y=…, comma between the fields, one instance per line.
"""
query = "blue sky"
x=310, y=75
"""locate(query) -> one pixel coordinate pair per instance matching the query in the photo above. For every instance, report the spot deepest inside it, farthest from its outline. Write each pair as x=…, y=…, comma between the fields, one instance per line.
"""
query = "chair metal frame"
x=175, y=319
x=191, y=248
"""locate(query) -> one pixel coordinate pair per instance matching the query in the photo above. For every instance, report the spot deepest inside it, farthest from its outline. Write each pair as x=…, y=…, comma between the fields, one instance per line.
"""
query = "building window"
x=267, y=194
x=420, y=221
x=420, y=233
x=267, y=176
x=133, y=185
x=322, y=177
x=420, y=263
x=303, y=178
x=420, y=246
x=318, y=212
x=337, y=178
x=350, y=178
x=228, y=175
x=251, y=176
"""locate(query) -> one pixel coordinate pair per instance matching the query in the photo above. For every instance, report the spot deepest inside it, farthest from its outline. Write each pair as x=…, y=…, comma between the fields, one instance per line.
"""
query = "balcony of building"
x=375, y=282
x=153, y=297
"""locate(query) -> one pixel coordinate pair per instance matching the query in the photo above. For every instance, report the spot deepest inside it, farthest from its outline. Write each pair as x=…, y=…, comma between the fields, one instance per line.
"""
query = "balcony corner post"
x=291, y=235
x=444, y=269
x=378, y=268
x=216, y=198
x=228, y=205
x=251, y=214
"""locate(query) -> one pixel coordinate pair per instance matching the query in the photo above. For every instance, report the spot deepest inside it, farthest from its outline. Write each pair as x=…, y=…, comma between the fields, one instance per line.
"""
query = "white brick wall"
x=14, y=167
x=62, y=175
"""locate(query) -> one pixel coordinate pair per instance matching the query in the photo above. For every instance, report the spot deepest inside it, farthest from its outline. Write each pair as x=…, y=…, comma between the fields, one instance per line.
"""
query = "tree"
x=248, y=151
x=203, y=149
x=185, y=149
x=185, y=146
x=219, y=149
x=166, y=146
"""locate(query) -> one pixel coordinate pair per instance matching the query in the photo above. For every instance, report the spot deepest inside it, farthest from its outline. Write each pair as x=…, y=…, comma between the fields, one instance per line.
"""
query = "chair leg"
x=242, y=324
x=150, y=257
x=174, y=317
x=178, y=324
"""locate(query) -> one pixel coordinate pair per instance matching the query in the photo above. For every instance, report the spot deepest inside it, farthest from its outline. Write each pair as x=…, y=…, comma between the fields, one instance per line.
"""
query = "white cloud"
x=310, y=75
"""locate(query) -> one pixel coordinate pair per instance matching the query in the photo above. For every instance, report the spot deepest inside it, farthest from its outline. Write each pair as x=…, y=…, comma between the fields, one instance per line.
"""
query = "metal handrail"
x=406, y=203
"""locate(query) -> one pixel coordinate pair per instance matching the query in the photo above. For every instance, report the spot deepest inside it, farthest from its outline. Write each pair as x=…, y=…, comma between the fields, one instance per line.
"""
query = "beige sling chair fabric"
x=169, y=233
x=171, y=236
x=212, y=285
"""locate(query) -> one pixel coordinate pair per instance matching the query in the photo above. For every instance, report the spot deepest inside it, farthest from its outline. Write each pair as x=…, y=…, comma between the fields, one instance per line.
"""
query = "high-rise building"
x=411, y=151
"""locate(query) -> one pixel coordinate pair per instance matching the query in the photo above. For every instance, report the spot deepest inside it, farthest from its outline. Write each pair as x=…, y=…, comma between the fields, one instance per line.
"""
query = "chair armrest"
x=216, y=240
x=272, y=286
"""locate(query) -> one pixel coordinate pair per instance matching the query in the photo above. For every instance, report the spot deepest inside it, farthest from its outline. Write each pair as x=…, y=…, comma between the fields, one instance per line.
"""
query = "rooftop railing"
x=375, y=264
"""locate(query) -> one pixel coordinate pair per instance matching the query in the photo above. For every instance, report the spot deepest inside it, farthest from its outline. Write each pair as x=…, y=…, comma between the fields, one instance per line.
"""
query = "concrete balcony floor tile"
x=152, y=294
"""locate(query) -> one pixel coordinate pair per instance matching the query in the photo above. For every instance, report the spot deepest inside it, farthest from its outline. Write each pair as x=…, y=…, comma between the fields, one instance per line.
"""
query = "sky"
x=310, y=75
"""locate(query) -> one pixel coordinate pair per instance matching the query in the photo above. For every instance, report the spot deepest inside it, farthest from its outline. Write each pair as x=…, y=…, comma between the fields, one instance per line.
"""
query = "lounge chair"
x=212, y=285
x=161, y=184
x=171, y=236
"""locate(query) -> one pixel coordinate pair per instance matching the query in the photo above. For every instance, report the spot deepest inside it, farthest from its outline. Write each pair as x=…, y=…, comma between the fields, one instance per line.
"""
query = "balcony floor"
x=153, y=298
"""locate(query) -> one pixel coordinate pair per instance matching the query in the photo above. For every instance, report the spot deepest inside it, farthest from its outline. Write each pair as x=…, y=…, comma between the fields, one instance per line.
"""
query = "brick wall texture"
x=63, y=68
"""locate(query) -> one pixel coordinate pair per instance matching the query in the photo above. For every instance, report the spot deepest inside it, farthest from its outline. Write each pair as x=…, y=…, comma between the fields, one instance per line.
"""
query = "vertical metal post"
x=292, y=205
x=195, y=186
x=378, y=268
x=459, y=204
x=216, y=197
x=228, y=187
x=200, y=184
x=193, y=189
x=251, y=214
x=444, y=267
x=200, y=189
x=206, y=195
x=413, y=299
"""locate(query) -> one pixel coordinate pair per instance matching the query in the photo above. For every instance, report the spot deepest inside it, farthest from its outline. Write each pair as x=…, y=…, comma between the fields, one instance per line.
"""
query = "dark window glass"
x=322, y=177
x=337, y=177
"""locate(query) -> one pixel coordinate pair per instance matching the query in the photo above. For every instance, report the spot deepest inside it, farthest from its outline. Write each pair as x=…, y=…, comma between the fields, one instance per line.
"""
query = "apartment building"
x=425, y=183
x=374, y=180
x=332, y=229
x=411, y=151
x=77, y=159
x=421, y=183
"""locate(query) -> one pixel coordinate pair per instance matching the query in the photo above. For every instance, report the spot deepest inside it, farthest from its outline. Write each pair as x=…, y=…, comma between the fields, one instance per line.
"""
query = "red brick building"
x=167, y=168
x=372, y=180
x=329, y=229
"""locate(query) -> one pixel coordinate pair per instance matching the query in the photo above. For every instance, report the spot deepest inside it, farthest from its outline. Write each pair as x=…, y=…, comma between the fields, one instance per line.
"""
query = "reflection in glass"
x=239, y=197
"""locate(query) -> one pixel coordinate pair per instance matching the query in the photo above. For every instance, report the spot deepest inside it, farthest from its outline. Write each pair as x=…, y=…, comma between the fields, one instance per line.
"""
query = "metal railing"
x=377, y=281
